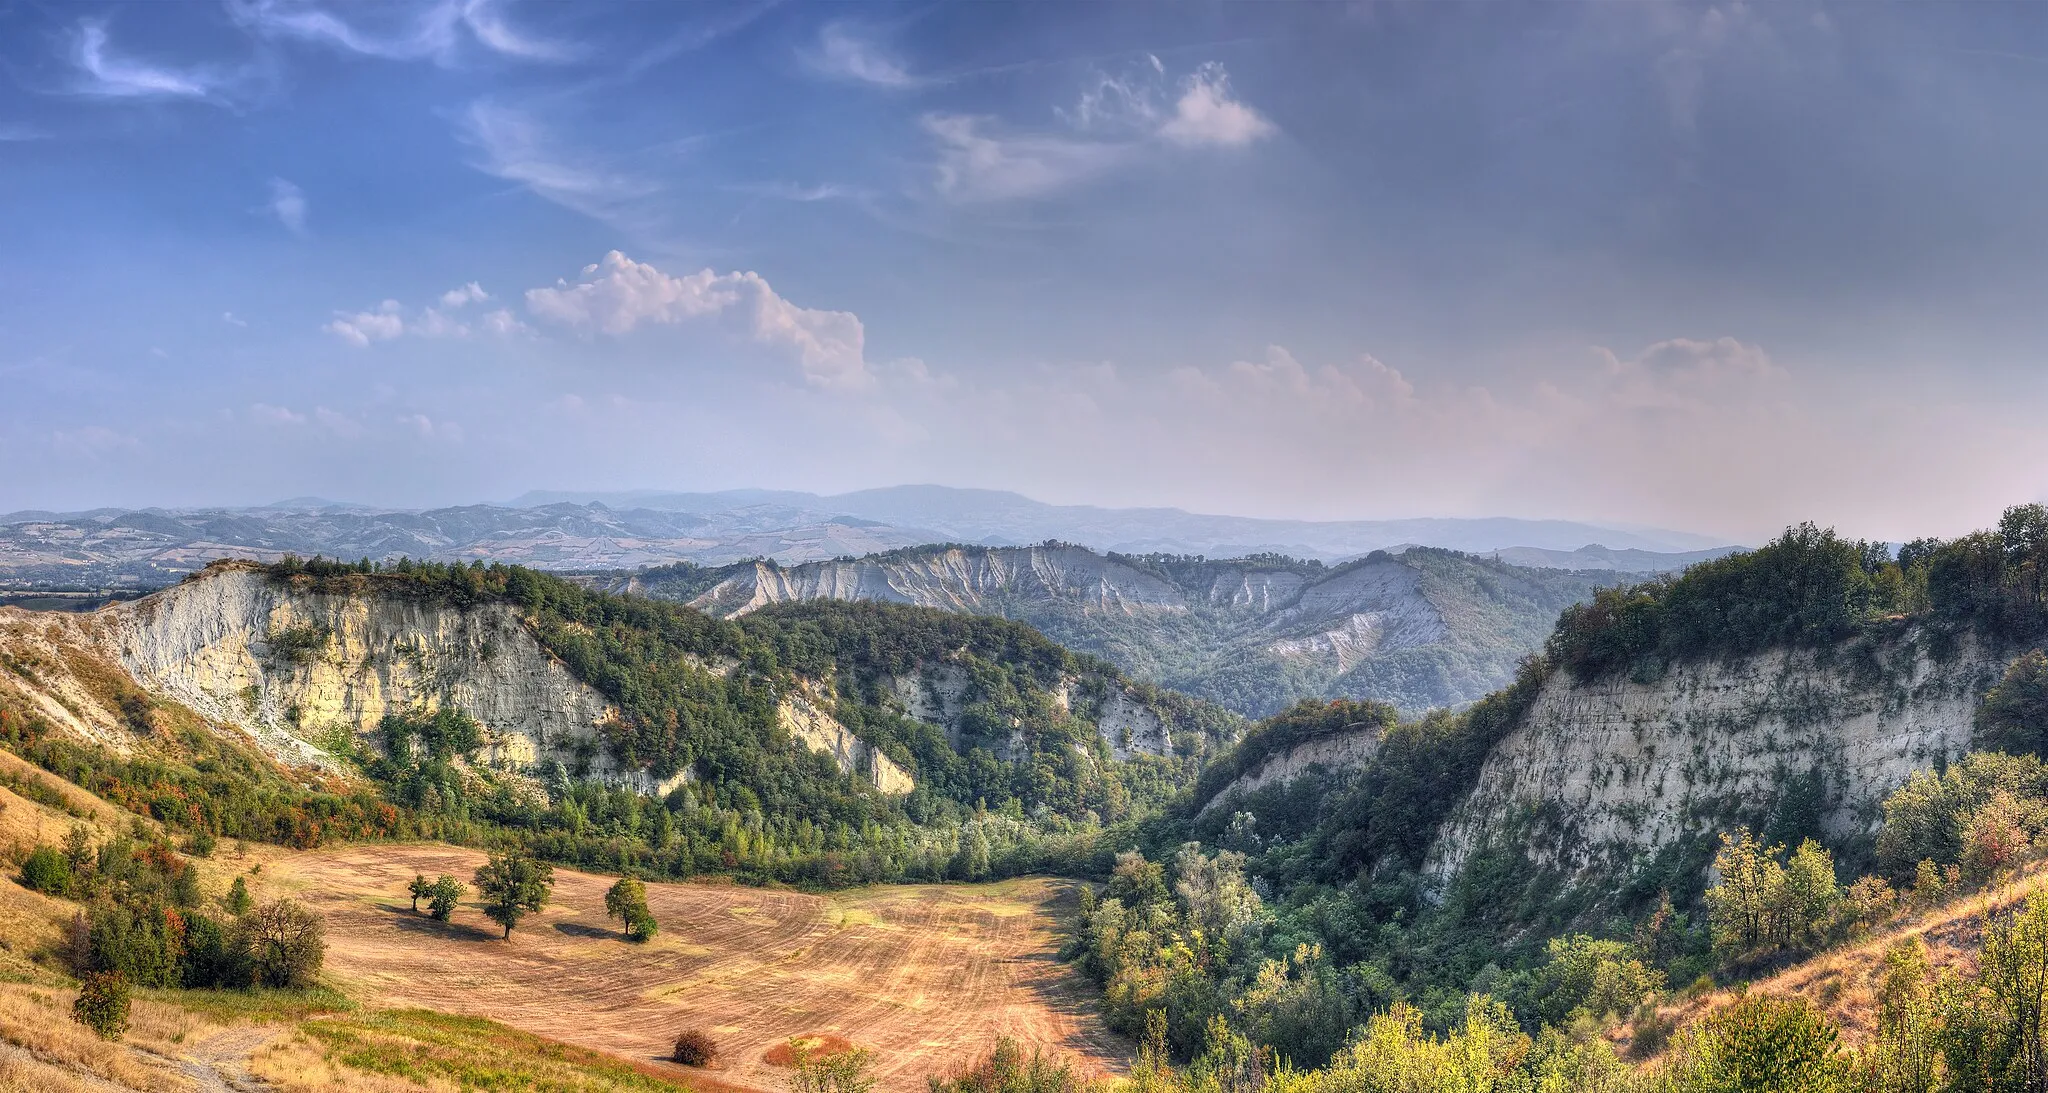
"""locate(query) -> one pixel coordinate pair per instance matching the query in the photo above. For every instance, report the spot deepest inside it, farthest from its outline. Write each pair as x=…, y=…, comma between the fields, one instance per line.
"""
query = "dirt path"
x=925, y=975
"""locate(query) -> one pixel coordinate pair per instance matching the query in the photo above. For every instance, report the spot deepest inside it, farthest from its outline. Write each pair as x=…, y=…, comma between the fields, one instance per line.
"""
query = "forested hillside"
x=1420, y=629
x=788, y=745
x=1445, y=868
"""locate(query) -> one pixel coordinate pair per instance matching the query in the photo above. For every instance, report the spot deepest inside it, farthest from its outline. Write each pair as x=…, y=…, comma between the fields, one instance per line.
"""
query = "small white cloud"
x=9, y=133
x=1207, y=115
x=363, y=327
x=845, y=53
x=503, y=323
x=276, y=415
x=229, y=318
x=618, y=294
x=1117, y=122
x=392, y=320
x=288, y=204
x=471, y=293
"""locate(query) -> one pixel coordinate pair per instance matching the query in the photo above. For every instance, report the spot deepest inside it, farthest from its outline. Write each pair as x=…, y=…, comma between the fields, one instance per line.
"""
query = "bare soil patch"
x=925, y=975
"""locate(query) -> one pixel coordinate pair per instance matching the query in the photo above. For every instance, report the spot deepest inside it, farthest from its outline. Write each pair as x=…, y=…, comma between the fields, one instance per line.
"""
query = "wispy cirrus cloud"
x=435, y=32
x=104, y=72
x=518, y=147
x=847, y=52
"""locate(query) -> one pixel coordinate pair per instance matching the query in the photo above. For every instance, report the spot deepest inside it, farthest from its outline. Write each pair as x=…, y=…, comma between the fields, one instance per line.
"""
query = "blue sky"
x=1713, y=266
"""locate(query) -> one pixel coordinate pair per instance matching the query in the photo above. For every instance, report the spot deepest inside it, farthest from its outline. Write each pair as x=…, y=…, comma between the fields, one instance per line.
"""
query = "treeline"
x=1810, y=587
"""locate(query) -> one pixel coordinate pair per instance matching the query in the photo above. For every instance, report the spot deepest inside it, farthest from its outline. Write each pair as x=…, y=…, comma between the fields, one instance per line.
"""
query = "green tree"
x=2014, y=716
x=47, y=871
x=513, y=886
x=627, y=902
x=443, y=896
x=420, y=888
x=1739, y=903
x=102, y=1004
x=1758, y=1044
x=237, y=900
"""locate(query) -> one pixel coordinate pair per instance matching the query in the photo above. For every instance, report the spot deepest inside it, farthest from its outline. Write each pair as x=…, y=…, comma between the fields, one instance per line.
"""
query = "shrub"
x=694, y=1047
x=47, y=871
x=102, y=1004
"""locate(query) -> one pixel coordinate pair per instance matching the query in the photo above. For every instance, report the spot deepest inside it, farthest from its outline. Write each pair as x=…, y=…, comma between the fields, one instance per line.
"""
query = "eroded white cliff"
x=1606, y=773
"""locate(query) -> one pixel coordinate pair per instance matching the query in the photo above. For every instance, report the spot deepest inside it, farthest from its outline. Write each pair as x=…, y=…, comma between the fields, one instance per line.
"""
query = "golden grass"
x=39, y=1022
x=1843, y=981
x=421, y=1049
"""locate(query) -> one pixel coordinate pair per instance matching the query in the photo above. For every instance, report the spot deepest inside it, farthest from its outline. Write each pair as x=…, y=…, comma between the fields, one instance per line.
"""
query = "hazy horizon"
x=1719, y=268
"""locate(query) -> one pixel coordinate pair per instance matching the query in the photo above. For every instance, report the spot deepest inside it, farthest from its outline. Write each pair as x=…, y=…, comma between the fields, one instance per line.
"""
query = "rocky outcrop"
x=806, y=720
x=1333, y=753
x=1602, y=774
x=955, y=580
x=1130, y=727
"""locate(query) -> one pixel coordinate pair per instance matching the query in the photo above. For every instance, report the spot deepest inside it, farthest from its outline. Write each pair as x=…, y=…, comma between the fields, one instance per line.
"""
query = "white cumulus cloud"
x=617, y=294
x=461, y=296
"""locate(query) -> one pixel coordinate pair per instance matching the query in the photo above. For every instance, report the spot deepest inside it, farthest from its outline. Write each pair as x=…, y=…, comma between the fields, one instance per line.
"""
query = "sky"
x=1716, y=267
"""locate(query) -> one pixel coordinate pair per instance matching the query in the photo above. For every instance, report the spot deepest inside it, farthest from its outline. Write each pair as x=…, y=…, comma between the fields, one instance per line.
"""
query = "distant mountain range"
x=1424, y=628
x=139, y=548
x=1001, y=518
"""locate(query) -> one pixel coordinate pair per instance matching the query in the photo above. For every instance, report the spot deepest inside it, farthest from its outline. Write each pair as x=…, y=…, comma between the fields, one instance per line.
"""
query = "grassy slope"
x=317, y=1042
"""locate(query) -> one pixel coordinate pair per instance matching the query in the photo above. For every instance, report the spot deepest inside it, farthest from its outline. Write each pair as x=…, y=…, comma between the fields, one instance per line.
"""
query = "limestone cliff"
x=304, y=673
x=1335, y=753
x=1604, y=773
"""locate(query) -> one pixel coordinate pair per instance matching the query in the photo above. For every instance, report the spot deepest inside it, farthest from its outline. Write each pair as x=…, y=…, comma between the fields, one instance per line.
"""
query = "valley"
x=922, y=975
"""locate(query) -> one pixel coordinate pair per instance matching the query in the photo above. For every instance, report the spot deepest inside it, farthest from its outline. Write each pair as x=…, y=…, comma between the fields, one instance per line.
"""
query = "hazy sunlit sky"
x=1713, y=267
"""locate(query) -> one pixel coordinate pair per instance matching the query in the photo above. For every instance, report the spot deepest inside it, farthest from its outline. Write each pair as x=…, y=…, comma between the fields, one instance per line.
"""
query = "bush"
x=102, y=1004
x=47, y=871
x=694, y=1047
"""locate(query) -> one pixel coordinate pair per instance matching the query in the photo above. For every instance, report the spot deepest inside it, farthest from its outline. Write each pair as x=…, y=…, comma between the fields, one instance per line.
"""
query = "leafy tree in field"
x=420, y=888
x=102, y=1004
x=627, y=902
x=513, y=886
x=443, y=896
x=287, y=943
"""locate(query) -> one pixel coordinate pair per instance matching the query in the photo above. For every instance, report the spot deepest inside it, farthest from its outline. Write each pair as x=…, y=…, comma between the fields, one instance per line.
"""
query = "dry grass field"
x=926, y=976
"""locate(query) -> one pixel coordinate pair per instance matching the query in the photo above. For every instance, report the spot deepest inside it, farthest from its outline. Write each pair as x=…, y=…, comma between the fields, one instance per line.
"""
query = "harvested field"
x=924, y=975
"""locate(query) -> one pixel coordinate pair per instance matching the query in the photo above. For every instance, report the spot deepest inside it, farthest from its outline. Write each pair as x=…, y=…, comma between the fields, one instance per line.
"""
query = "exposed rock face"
x=1336, y=752
x=1130, y=727
x=295, y=669
x=953, y=580
x=805, y=720
x=302, y=672
x=1614, y=770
